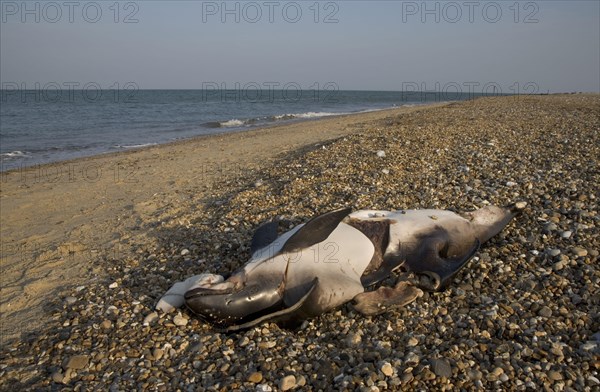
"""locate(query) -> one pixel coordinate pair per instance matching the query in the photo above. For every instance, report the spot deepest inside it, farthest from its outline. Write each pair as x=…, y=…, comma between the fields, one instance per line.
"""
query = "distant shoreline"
x=224, y=131
x=41, y=127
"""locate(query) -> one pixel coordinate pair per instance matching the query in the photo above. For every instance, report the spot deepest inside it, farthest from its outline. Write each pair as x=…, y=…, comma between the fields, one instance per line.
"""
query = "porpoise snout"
x=234, y=304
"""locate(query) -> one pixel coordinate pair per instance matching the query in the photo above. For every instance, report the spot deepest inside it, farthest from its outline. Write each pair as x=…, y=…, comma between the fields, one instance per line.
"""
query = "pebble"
x=70, y=300
x=580, y=252
x=269, y=344
x=441, y=367
x=353, y=339
x=244, y=341
x=474, y=374
x=545, y=311
x=77, y=362
x=381, y=154
x=553, y=252
x=150, y=318
x=412, y=342
x=287, y=383
x=179, y=320
x=106, y=324
x=554, y=375
x=184, y=252
x=557, y=350
x=559, y=265
x=255, y=377
x=158, y=353
x=58, y=376
x=263, y=388
x=387, y=369
x=113, y=285
x=412, y=359
x=566, y=234
x=385, y=171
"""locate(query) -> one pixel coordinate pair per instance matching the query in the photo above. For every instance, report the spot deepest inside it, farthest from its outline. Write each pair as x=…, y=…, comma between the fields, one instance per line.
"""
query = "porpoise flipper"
x=376, y=302
x=315, y=230
x=265, y=235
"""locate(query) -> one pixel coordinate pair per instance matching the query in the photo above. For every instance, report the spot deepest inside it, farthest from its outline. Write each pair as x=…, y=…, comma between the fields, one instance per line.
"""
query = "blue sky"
x=377, y=45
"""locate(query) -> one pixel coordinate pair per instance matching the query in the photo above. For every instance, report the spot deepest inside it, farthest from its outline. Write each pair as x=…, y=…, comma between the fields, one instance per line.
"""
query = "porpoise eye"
x=253, y=290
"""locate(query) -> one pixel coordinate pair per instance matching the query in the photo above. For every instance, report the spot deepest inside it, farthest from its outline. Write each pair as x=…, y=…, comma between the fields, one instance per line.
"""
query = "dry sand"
x=59, y=221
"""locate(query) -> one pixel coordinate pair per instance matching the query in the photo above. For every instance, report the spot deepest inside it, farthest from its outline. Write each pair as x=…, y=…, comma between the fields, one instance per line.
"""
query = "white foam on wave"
x=306, y=115
x=232, y=123
x=285, y=117
x=136, y=145
x=317, y=114
x=14, y=155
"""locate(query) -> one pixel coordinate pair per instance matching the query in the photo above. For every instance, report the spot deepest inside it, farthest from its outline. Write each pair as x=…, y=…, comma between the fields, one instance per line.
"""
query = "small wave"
x=232, y=123
x=316, y=114
x=14, y=155
x=268, y=119
x=291, y=116
x=135, y=145
x=283, y=117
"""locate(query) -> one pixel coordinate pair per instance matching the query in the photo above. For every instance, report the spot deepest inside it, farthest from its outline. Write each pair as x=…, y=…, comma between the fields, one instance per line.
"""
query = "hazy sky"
x=366, y=45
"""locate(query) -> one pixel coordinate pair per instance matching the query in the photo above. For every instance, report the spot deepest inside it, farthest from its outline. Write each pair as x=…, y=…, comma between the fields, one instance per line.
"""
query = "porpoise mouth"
x=236, y=304
x=203, y=291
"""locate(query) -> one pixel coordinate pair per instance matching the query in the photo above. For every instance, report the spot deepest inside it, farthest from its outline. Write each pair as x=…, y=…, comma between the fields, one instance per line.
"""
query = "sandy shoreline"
x=99, y=252
x=60, y=219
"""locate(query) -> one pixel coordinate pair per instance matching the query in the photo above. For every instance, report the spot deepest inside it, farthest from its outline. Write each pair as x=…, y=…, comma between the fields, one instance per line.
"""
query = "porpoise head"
x=246, y=295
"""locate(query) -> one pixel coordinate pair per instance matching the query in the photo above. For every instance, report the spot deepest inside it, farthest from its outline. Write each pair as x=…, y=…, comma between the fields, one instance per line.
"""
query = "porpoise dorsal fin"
x=265, y=235
x=315, y=230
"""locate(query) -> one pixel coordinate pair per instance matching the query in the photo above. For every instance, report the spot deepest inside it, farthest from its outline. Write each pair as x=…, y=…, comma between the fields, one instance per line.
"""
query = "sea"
x=51, y=124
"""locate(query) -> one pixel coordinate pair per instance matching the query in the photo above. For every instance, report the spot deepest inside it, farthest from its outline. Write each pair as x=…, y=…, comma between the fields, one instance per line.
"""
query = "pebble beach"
x=523, y=315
